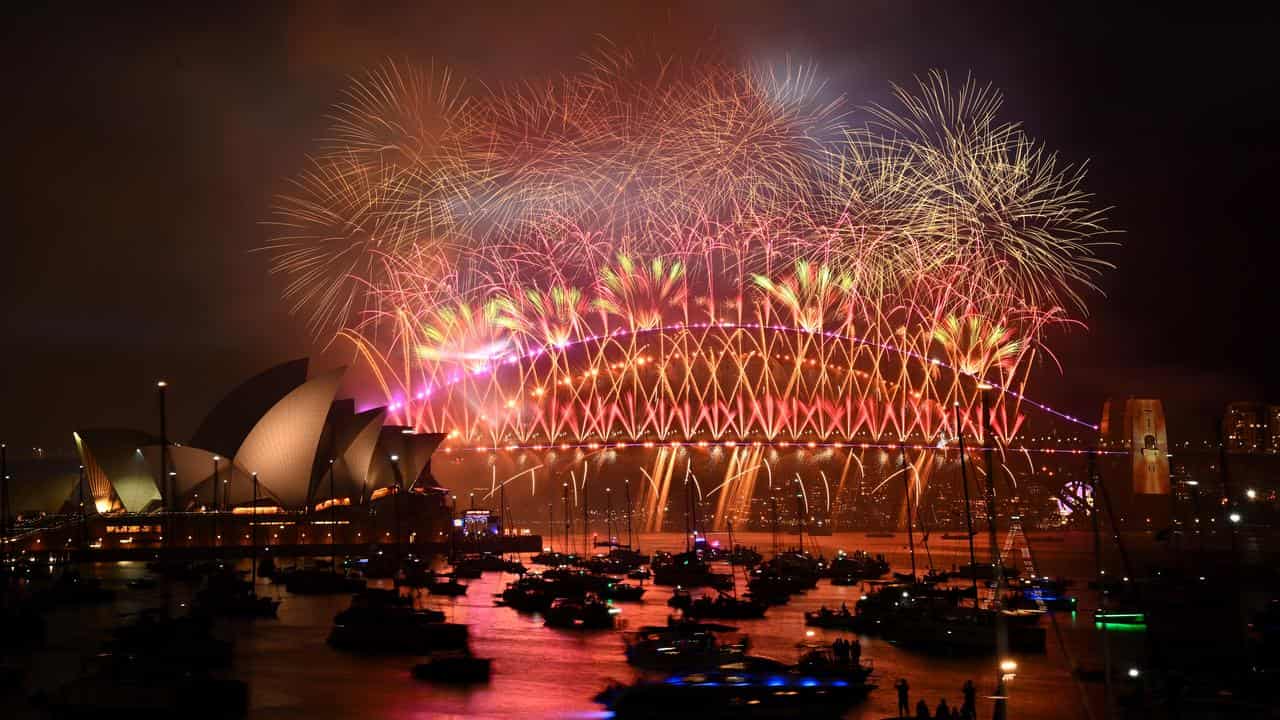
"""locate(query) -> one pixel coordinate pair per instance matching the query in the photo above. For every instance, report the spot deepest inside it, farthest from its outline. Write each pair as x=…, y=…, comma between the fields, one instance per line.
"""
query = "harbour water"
x=541, y=672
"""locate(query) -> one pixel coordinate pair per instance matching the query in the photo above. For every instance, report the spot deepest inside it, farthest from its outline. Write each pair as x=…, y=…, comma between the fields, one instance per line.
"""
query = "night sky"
x=144, y=145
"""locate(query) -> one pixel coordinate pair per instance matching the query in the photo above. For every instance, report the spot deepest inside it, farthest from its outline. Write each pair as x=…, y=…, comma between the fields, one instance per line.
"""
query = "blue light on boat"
x=809, y=682
x=840, y=683
x=675, y=681
x=776, y=681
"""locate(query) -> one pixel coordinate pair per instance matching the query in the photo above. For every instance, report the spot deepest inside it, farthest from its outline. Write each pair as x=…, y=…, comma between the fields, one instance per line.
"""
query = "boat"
x=739, y=555
x=551, y=558
x=380, y=597
x=458, y=667
x=605, y=565
x=825, y=660
x=448, y=586
x=394, y=629
x=229, y=595
x=486, y=562
x=849, y=568
x=1120, y=618
x=587, y=613
x=313, y=581
x=935, y=576
x=464, y=571
x=984, y=571
x=1030, y=598
x=961, y=633
x=726, y=607
x=734, y=694
x=142, y=583
x=681, y=646
x=528, y=594
x=185, y=641
x=958, y=536
x=687, y=569
x=128, y=685
x=72, y=588
x=786, y=574
x=639, y=574
x=841, y=619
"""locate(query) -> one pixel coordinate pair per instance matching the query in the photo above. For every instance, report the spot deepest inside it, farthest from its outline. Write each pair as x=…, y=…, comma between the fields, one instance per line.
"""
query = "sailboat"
x=726, y=606
x=226, y=593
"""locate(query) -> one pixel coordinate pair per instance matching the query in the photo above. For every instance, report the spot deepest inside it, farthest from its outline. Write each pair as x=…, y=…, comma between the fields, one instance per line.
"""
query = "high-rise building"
x=1251, y=428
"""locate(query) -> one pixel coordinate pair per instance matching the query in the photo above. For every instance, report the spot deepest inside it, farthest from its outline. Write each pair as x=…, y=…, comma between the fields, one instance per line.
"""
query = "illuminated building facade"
x=1138, y=426
x=1251, y=428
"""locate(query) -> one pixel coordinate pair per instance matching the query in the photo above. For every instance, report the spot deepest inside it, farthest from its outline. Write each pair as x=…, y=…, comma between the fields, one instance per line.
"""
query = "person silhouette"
x=904, y=706
x=969, y=708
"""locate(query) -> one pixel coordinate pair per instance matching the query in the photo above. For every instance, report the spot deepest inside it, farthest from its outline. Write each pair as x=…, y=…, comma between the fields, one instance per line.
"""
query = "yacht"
x=393, y=628
x=735, y=694
x=586, y=613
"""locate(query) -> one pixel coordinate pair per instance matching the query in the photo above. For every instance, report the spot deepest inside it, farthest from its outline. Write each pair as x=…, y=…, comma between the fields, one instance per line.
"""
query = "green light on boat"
x=1130, y=617
x=1120, y=627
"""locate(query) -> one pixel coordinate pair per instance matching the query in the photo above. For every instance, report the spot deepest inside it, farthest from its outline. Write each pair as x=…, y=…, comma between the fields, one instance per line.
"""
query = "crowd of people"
x=967, y=710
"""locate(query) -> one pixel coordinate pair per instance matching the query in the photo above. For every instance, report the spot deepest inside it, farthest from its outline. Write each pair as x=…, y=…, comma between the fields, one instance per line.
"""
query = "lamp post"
x=4, y=503
x=253, y=530
x=395, y=491
x=84, y=527
x=333, y=524
x=166, y=498
x=217, y=538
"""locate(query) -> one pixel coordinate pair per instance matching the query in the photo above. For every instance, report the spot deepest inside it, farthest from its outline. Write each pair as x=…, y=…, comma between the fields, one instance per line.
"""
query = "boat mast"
x=733, y=572
x=608, y=515
x=253, y=530
x=800, y=510
x=627, y=485
x=551, y=526
x=1002, y=632
x=773, y=521
x=687, y=505
x=568, y=519
x=586, y=522
x=968, y=512
x=693, y=508
x=906, y=486
x=1100, y=576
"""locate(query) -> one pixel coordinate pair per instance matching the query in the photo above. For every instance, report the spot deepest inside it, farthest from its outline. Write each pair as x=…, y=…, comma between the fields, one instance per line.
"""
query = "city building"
x=1251, y=428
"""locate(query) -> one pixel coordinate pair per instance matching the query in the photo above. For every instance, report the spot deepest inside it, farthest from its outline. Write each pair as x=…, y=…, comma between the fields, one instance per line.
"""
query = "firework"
x=661, y=251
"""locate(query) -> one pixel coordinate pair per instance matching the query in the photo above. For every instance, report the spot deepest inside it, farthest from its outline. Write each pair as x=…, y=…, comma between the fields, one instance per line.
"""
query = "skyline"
x=86, y=345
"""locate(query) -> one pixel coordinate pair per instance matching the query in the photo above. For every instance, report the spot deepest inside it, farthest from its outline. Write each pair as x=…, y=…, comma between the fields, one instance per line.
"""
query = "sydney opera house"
x=280, y=448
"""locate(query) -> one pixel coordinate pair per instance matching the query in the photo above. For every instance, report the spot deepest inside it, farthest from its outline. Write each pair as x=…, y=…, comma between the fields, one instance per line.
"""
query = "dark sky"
x=144, y=144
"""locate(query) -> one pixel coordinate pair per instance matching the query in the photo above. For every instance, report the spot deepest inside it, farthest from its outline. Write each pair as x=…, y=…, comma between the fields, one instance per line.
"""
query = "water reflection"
x=539, y=672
